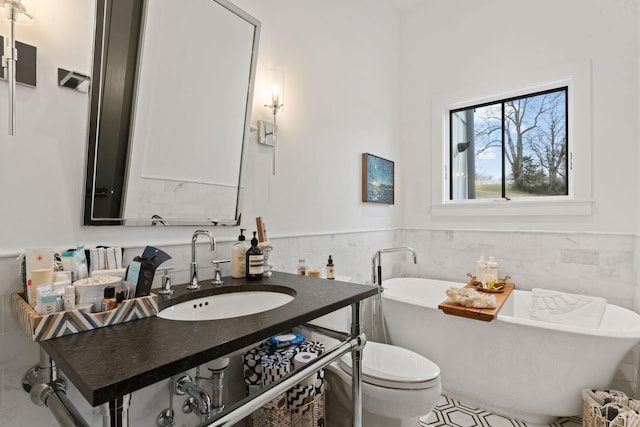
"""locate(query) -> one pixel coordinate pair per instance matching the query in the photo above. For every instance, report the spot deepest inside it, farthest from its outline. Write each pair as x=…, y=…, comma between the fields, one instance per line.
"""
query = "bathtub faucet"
x=376, y=271
x=376, y=265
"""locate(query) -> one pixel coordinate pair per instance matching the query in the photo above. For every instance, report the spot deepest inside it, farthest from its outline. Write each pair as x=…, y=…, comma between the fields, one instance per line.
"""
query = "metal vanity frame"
x=48, y=389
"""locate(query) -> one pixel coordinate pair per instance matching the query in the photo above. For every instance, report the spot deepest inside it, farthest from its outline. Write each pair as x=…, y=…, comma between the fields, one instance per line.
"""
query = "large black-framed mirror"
x=171, y=96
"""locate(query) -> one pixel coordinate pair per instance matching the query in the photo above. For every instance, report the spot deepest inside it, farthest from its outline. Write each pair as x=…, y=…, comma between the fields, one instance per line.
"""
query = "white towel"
x=568, y=309
x=116, y=255
x=97, y=259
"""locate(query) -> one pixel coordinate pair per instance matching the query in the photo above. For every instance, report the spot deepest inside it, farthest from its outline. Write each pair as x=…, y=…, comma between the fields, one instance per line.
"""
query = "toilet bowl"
x=398, y=387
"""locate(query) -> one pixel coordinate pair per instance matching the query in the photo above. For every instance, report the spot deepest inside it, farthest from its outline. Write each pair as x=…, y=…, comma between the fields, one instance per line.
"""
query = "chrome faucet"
x=376, y=271
x=166, y=281
x=199, y=400
x=377, y=257
x=193, y=276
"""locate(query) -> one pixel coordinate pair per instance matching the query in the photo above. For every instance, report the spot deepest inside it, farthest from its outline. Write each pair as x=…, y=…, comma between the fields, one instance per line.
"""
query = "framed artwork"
x=377, y=179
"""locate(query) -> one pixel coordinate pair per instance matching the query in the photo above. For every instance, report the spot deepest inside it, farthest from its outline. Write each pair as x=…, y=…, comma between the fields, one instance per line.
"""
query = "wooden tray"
x=484, y=314
x=61, y=323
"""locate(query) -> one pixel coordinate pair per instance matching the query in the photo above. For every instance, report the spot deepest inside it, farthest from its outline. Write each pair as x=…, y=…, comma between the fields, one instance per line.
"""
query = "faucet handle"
x=217, y=277
x=166, y=280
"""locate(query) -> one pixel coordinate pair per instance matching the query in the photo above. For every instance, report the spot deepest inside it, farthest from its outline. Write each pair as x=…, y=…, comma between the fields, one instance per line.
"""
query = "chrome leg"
x=116, y=412
x=356, y=355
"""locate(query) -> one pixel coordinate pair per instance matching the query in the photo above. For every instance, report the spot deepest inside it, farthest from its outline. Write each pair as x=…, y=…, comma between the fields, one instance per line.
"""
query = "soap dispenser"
x=255, y=260
x=238, y=257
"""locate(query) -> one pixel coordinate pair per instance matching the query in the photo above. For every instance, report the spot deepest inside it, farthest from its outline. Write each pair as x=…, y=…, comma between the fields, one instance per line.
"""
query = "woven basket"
x=310, y=415
x=591, y=419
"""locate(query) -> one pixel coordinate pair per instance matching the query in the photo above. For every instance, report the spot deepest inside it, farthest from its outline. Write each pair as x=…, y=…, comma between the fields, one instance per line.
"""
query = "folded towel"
x=569, y=309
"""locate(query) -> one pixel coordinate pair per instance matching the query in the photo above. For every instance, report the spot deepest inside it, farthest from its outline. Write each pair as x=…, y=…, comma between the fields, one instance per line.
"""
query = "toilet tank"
x=339, y=320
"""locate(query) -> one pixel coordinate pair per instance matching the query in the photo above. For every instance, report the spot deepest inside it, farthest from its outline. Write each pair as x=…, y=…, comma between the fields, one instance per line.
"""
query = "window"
x=511, y=148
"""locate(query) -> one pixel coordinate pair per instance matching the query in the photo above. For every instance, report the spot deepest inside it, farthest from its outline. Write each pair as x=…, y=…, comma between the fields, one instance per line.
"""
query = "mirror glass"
x=171, y=95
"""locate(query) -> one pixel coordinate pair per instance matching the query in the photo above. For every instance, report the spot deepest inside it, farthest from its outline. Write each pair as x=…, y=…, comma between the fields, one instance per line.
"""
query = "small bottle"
x=481, y=264
x=255, y=260
x=302, y=267
x=331, y=275
x=69, y=298
x=492, y=269
x=238, y=257
x=109, y=300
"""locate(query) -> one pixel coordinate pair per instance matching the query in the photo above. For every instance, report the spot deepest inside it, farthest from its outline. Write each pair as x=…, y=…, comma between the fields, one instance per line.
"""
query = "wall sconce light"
x=16, y=11
x=274, y=100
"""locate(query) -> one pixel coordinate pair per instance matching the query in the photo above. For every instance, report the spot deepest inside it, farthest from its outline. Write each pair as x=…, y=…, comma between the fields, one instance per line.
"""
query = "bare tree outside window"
x=511, y=148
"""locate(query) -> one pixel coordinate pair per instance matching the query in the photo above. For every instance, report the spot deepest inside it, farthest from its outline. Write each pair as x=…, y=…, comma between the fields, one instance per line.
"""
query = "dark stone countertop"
x=109, y=362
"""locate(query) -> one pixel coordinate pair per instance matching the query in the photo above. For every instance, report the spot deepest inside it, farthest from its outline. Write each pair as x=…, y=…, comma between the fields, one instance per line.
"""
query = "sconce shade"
x=22, y=11
x=274, y=92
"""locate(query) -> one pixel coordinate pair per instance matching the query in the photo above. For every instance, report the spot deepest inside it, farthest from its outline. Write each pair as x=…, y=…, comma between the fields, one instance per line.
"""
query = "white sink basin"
x=225, y=306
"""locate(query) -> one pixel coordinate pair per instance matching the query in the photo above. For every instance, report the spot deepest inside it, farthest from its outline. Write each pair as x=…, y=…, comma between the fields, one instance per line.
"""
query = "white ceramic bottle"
x=481, y=265
x=238, y=256
x=492, y=269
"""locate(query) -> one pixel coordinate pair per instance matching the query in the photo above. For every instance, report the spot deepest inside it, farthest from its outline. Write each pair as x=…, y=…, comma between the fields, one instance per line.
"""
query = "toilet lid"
x=394, y=367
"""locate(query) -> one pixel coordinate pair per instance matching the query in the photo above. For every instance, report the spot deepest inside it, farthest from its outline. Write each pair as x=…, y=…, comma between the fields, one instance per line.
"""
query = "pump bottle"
x=255, y=260
x=238, y=257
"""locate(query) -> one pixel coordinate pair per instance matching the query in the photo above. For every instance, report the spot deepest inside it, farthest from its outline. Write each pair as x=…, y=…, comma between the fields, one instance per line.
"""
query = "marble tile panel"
x=12, y=392
x=580, y=256
x=27, y=414
x=17, y=351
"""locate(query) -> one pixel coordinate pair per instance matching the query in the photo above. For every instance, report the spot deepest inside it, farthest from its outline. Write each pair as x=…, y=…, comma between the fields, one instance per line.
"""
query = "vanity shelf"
x=129, y=356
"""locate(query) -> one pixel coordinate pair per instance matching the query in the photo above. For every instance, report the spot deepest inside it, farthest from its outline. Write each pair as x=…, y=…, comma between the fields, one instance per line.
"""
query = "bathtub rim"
x=527, y=322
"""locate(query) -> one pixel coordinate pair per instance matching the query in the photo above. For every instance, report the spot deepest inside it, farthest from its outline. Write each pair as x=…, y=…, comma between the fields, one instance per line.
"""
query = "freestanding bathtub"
x=525, y=369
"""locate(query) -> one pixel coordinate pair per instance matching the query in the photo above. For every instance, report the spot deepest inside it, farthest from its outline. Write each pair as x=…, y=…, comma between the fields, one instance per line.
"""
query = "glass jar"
x=302, y=267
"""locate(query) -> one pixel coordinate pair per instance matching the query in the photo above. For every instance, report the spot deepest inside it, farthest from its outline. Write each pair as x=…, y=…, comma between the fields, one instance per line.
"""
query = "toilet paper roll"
x=251, y=364
x=279, y=402
x=288, y=352
x=300, y=395
x=312, y=347
x=319, y=383
x=300, y=360
x=274, y=367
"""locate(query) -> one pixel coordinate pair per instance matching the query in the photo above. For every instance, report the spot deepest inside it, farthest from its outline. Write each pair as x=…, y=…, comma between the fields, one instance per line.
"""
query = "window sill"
x=512, y=208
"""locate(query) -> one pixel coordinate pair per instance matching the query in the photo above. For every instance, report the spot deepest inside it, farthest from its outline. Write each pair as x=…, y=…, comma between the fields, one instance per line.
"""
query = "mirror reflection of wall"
x=189, y=117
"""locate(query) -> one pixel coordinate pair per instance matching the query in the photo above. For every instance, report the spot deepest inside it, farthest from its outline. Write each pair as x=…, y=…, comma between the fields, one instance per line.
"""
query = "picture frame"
x=378, y=180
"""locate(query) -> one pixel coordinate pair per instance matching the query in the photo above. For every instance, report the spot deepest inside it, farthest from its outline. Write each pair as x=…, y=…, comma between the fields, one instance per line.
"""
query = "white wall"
x=340, y=63
x=488, y=47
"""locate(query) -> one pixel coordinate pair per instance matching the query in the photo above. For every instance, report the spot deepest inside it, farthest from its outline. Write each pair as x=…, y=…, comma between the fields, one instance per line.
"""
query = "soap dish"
x=477, y=284
x=478, y=287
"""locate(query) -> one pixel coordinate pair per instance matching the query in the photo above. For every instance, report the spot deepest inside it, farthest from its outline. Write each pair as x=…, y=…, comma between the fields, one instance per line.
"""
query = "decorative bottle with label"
x=330, y=269
x=238, y=257
x=255, y=260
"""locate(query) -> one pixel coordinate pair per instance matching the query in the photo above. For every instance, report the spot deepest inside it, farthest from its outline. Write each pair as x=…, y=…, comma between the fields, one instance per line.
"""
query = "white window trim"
x=577, y=77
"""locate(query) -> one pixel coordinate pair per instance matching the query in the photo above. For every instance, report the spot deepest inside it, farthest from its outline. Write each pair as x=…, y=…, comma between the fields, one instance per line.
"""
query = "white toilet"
x=398, y=385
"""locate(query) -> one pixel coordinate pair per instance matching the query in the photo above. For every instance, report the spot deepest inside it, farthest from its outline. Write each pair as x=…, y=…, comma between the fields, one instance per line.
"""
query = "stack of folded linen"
x=568, y=309
x=609, y=407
